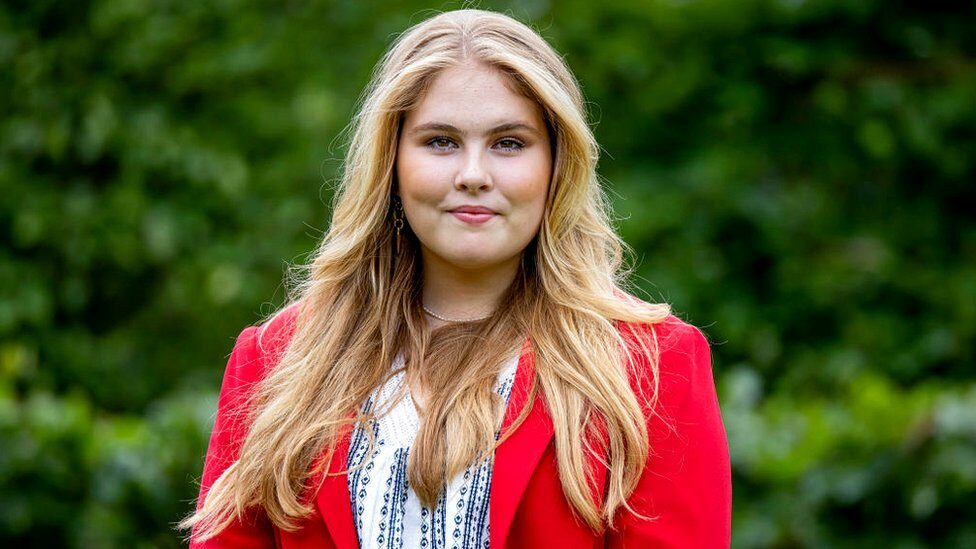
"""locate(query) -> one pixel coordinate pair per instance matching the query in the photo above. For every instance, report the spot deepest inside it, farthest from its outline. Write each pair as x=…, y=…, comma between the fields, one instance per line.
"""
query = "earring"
x=397, y=220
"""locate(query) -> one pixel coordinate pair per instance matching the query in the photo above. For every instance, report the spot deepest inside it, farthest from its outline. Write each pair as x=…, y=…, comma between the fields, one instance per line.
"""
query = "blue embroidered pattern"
x=387, y=512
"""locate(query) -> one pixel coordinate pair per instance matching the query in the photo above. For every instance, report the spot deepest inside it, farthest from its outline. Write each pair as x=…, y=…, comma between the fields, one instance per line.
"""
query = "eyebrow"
x=442, y=127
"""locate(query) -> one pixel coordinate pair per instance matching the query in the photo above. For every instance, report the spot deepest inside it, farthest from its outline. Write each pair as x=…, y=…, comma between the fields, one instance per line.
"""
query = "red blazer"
x=686, y=484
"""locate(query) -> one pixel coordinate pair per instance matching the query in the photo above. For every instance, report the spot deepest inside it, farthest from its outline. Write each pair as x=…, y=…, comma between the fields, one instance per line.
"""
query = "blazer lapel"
x=333, y=499
x=516, y=458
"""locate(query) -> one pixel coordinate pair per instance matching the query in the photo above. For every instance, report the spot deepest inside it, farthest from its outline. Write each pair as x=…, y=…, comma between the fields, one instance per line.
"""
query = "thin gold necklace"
x=439, y=317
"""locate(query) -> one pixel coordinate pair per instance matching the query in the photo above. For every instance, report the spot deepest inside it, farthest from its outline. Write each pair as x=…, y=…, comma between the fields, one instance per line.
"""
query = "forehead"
x=472, y=94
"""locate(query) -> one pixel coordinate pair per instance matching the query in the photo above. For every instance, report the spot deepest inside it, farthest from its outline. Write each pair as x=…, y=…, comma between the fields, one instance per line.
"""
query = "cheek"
x=417, y=179
x=536, y=213
x=533, y=190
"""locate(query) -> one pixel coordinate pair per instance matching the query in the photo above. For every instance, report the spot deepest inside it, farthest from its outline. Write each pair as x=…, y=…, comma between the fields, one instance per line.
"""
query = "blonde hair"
x=359, y=305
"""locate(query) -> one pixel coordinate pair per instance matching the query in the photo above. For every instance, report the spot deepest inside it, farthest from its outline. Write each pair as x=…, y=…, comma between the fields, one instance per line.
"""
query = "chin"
x=474, y=258
x=473, y=255
x=471, y=263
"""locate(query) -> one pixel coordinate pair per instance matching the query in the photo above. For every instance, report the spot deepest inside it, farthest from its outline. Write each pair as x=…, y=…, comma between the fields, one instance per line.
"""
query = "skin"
x=468, y=267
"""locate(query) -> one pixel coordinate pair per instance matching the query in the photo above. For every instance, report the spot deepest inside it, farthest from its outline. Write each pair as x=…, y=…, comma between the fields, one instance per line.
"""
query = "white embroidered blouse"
x=386, y=510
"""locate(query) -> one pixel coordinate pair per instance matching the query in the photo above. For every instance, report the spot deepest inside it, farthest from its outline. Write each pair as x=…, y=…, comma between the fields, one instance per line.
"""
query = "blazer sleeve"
x=244, y=369
x=686, y=486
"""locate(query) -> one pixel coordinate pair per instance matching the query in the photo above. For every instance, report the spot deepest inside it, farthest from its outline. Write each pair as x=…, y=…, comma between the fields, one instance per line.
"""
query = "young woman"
x=460, y=366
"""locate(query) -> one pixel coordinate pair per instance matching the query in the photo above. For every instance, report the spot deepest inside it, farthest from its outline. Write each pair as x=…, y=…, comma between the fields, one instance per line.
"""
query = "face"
x=473, y=165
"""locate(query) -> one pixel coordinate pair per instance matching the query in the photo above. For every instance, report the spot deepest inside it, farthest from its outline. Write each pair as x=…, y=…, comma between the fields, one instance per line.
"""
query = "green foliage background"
x=794, y=176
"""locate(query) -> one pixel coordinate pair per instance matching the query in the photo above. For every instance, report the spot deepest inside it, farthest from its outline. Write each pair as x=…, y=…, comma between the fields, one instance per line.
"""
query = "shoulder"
x=670, y=359
x=671, y=338
x=670, y=334
x=680, y=386
x=259, y=347
x=677, y=344
x=275, y=333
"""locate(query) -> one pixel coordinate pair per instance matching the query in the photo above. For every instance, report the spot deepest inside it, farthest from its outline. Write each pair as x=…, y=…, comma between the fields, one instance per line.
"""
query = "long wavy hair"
x=359, y=305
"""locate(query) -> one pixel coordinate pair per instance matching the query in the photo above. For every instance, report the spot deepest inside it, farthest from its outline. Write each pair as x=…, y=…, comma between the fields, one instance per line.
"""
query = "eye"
x=509, y=144
x=440, y=143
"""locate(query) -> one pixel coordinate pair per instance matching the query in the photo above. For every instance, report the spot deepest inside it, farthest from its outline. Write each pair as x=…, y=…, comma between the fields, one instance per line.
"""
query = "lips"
x=473, y=210
x=473, y=215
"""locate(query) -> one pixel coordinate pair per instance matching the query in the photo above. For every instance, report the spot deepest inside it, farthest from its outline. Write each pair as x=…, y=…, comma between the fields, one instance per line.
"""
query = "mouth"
x=473, y=215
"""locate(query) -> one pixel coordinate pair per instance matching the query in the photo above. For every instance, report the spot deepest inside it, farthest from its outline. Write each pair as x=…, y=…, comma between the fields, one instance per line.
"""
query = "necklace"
x=439, y=317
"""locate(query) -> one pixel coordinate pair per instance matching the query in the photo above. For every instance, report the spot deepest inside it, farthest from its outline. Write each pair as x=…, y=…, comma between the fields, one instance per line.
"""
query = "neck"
x=464, y=293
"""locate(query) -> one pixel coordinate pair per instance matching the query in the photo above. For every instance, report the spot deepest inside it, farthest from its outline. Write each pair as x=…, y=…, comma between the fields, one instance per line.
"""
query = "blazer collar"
x=515, y=460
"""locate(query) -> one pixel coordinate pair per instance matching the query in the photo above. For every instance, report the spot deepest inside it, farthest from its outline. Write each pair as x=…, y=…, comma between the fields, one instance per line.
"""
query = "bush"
x=793, y=176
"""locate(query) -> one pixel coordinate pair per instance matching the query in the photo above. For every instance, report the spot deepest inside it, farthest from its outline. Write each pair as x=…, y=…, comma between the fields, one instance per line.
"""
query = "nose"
x=473, y=175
